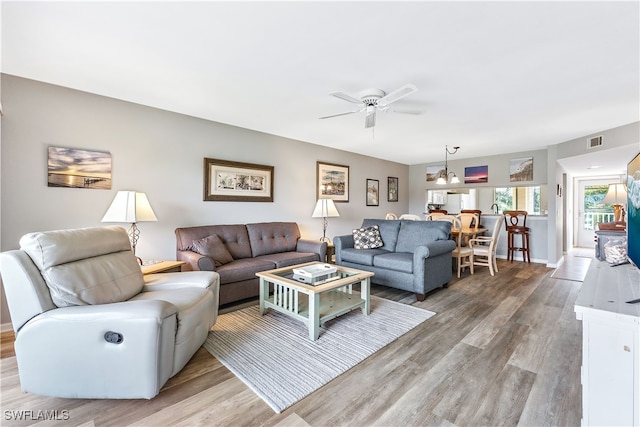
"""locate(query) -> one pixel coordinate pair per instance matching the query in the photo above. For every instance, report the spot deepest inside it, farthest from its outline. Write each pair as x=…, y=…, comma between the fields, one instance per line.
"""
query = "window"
x=518, y=198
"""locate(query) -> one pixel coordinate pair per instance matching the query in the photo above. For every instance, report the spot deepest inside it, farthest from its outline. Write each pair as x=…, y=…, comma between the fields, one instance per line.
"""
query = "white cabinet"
x=436, y=197
x=610, y=345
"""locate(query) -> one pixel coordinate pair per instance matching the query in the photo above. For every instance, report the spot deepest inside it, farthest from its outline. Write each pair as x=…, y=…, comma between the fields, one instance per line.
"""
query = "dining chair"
x=442, y=211
x=411, y=217
x=468, y=220
x=462, y=253
x=474, y=211
x=484, y=248
x=516, y=225
x=434, y=216
x=391, y=215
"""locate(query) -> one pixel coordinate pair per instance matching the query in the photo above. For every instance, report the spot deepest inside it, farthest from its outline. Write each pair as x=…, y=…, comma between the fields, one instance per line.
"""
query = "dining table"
x=467, y=233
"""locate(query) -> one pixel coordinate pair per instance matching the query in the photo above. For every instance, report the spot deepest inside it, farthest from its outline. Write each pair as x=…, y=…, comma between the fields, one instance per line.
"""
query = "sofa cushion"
x=85, y=266
x=399, y=261
x=367, y=238
x=213, y=247
x=273, y=237
x=361, y=256
x=388, y=231
x=234, y=237
x=418, y=233
x=286, y=259
x=243, y=269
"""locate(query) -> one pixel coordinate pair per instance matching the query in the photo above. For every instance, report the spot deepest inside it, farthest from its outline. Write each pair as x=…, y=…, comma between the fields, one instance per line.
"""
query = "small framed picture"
x=392, y=189
x=373, y=192
x=332, y=182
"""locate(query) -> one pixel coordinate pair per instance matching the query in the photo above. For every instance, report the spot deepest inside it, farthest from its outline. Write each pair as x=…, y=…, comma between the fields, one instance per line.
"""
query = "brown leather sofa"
x=238, y=251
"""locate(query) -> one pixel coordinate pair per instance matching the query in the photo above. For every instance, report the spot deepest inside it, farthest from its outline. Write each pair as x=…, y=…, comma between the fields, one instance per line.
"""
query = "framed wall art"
x=227, y=181
x=476, y=174
x=392, y=189
x=332, y=182
x=373, y=192
x=521, y=169
x=434, y=172
x=71, y=168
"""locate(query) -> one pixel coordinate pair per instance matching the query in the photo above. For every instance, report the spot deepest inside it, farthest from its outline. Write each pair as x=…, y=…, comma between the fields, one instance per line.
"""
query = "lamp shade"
x=325, y=208
x=129, y=206
x=616, y=194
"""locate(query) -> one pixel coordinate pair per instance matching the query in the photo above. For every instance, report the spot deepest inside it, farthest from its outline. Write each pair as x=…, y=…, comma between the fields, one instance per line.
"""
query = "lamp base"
x=617, y=212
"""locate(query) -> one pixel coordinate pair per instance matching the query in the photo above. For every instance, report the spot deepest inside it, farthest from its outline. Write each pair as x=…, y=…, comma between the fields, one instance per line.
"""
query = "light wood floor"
x=501, y=351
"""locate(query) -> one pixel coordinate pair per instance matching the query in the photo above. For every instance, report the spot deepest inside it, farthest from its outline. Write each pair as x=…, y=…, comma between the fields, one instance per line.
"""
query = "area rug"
x=274, y=356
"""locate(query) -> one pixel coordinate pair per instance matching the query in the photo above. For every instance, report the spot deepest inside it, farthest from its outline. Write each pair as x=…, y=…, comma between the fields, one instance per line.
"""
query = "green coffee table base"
x=315, y=305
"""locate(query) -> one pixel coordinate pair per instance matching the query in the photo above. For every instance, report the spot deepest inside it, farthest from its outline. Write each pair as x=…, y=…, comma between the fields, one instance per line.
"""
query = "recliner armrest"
x=187, y=279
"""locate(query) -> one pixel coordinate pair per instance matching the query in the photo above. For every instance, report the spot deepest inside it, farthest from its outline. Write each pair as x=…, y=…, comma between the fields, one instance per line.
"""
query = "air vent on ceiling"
x=594, y=142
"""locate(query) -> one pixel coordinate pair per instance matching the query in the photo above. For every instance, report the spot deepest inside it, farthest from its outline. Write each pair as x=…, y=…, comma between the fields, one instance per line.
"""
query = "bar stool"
x=516, y=225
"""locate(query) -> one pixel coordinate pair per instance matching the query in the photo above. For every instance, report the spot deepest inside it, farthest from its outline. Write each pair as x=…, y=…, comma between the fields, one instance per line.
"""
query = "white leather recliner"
x=88, y=324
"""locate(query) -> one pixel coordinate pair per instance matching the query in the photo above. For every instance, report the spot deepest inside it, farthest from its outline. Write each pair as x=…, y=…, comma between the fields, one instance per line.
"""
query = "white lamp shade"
x=129, y=206
x=455, y=179
x=616, y=194
x=325, y=208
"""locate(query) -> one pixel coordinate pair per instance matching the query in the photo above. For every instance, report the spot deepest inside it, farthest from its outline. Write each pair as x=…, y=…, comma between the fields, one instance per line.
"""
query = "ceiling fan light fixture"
x=372, y=100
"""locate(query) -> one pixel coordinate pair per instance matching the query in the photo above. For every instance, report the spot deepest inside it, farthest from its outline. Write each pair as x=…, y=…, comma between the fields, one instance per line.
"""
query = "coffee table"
x=314, y=304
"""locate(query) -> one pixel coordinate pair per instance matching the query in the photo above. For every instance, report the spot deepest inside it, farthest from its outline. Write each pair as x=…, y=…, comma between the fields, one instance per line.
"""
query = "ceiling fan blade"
x=338, y=115
x=402, y=111
x=397, y=94
x=346, y=97
x=370, y=119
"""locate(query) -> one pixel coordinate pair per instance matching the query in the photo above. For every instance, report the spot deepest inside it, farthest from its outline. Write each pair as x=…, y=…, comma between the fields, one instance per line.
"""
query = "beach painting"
x=434, y=172
x=521, y=169
x=72, y=168
x=476, y=174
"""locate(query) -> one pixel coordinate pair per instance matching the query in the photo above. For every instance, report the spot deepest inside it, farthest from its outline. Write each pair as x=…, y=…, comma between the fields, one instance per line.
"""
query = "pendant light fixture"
x=444, y=177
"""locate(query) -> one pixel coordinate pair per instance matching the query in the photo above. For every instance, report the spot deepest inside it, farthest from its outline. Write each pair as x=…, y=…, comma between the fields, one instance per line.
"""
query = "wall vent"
x=594, y=142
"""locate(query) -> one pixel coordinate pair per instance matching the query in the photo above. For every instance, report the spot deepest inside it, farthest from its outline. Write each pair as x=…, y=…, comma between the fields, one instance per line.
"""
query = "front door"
x=590, y=211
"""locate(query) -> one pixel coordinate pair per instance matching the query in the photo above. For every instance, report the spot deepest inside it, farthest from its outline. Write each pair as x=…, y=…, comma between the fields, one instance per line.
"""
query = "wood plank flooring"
x=503, y=350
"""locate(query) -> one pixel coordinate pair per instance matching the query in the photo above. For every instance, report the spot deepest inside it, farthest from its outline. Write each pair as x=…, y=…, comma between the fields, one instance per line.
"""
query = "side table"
x=150, y=267
x=331, y=251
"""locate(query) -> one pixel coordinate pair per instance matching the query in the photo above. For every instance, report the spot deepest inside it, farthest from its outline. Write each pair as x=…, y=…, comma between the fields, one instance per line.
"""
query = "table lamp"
x=616, y=196
x=325, y=208
x=130, y=207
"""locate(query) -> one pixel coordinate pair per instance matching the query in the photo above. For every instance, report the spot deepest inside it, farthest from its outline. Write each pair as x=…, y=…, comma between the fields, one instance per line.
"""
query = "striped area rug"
x=274, y=356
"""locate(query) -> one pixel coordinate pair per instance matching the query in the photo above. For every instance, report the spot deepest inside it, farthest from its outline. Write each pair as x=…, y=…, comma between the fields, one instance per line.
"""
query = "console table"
x=610, y=345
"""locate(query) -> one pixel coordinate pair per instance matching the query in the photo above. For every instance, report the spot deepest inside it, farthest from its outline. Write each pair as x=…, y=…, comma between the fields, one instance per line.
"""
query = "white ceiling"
x=493, y=77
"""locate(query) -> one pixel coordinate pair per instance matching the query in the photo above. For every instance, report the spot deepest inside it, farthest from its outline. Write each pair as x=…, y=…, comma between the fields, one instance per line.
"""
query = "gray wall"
x=160, y=153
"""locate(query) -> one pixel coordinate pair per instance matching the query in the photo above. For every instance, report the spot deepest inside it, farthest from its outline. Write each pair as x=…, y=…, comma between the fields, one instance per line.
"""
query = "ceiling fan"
x=373, y=100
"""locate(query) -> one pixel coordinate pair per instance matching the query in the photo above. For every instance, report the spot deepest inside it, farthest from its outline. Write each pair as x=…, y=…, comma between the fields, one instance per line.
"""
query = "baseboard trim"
x=556, y=264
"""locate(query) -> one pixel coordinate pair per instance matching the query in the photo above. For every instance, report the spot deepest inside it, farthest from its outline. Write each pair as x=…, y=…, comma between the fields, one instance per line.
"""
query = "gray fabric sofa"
x=238, y=251
x=415, y=256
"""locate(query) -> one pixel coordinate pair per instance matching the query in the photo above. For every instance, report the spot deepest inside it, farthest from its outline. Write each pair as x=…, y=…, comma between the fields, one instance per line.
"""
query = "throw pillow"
x=214, y=248
x=367, y=238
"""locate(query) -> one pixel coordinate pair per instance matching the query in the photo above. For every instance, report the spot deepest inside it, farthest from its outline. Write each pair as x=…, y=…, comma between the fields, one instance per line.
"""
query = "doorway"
x=589, y=211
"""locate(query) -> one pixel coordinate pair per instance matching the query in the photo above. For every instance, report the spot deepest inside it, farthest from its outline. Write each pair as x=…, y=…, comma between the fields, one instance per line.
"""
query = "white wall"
x=160, y=153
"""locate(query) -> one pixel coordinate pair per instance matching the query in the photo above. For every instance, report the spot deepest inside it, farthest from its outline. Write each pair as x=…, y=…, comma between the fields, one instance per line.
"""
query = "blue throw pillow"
x=367, y=238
